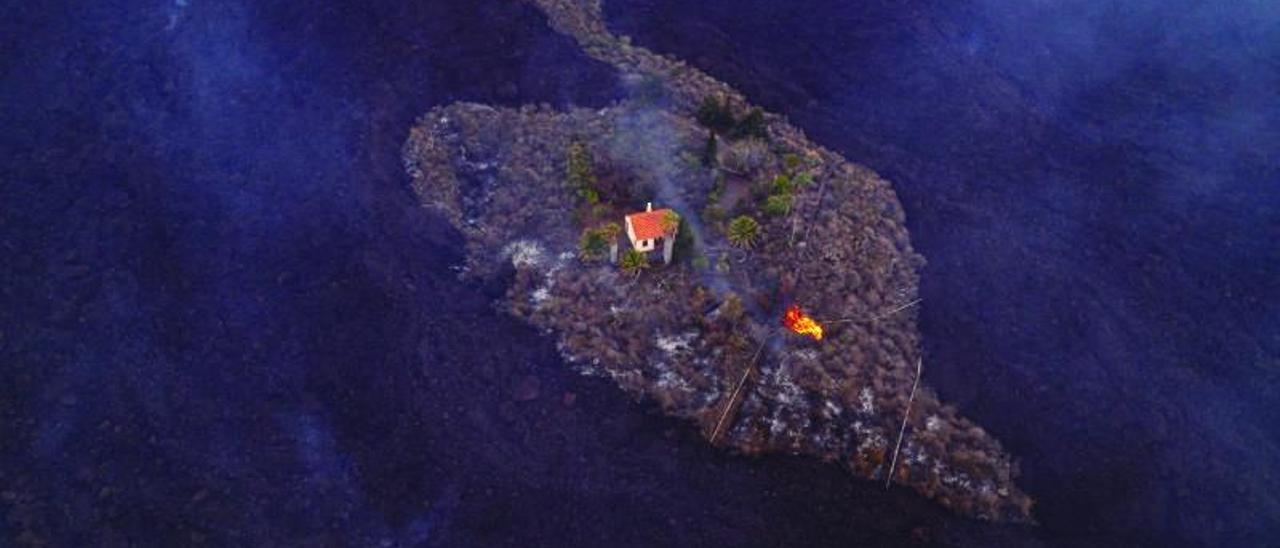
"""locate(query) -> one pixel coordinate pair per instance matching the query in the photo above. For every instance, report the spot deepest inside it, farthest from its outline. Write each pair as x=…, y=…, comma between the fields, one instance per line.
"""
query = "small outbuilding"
x=653, y=226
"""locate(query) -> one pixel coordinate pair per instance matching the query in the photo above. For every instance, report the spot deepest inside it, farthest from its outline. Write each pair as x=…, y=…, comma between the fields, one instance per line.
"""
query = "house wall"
x=631, y=232
x=638, y=245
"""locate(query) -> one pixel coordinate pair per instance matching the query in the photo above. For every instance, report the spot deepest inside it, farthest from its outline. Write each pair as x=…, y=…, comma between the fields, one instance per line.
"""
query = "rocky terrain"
x=702, y=336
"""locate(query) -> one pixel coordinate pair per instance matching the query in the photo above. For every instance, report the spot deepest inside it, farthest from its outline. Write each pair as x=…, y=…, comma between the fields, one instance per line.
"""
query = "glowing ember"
x=796, y=320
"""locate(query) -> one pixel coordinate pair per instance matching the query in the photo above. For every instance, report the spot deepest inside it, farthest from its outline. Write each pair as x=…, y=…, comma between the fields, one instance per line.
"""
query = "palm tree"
x=743, y=231
x=633, y=262
x=610, y=232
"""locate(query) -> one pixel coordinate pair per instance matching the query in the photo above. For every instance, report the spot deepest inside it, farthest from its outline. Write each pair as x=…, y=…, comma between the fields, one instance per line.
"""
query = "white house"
x=647, y=228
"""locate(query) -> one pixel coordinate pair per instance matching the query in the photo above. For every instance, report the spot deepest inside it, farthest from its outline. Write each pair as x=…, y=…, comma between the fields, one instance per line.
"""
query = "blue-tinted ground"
x=223, y=319
x=1096, y=187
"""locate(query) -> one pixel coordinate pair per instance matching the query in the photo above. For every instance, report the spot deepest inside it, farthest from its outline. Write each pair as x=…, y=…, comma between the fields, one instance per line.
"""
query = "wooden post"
x=723, y=422
x=903, y=430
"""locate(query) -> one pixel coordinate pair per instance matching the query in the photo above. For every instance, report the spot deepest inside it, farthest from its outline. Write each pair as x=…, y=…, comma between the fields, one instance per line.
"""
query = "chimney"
x=648, y=206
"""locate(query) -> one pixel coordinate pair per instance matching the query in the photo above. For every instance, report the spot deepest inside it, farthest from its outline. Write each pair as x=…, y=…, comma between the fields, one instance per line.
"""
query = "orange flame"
x=797, y=321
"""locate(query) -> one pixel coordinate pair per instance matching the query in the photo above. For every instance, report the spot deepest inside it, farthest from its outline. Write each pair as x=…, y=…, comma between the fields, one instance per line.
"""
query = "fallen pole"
x=728, y=406
x=879, y=316
x=888, y=479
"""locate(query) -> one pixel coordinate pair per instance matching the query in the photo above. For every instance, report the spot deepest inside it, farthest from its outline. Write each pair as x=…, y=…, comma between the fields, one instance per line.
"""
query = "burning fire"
x=797, y=321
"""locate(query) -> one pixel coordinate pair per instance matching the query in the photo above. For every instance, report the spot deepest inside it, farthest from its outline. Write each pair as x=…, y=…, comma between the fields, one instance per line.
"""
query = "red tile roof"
x=648, y=224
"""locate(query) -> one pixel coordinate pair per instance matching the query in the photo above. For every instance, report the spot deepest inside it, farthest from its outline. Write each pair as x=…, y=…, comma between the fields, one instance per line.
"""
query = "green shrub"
x=670, y=222
x=791, y=162
x=592, y=244
x=782, y=185
x=579, y=174
x=610, y=232
x=778, y=205
x=716, y=115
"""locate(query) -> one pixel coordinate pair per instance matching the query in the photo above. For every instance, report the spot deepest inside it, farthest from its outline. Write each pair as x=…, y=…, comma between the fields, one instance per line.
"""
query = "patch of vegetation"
x=791, y=162
x=716, y=115
x=778, y=205
x=751, y=125
x=580, y=173
x=782, y=185
x=797, y=167
x=592, y=244
x=684, y=246
x=633, y=262
x=743, y=232
x=670, y=221
x=610, y=231
x=745, y=156
x=780, y=197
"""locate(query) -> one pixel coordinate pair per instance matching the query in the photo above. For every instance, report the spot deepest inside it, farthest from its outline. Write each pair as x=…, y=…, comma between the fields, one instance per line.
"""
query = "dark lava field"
x=225, y=320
